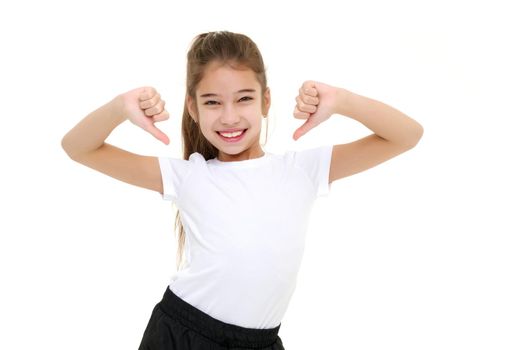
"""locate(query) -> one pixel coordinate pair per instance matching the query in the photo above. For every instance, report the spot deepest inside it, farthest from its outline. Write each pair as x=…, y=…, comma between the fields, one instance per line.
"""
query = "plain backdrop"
x=424, y=251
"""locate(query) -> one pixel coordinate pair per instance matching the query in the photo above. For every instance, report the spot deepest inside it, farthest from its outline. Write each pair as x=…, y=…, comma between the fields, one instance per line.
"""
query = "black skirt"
x=178, y=325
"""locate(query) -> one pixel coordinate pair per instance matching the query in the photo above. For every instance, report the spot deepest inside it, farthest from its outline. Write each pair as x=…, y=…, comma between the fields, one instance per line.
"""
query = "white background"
x=424, y=251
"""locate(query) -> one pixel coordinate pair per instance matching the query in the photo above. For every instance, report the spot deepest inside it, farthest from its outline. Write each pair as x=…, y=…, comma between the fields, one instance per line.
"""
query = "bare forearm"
x=91, y=132
x=384, y=120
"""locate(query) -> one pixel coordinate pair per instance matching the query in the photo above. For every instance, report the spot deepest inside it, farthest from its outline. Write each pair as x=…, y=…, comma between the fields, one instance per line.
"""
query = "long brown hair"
x=224, y=47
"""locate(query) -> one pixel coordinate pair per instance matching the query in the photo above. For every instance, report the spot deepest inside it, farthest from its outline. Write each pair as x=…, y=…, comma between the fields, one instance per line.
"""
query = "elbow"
x=65, y=145
x=68, y=148
x=413, y=137
x=76, y=151
x=418, y=134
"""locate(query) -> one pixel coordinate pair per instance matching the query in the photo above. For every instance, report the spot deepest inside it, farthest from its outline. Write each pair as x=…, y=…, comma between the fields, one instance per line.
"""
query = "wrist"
x=349, y=103
x=341, y=97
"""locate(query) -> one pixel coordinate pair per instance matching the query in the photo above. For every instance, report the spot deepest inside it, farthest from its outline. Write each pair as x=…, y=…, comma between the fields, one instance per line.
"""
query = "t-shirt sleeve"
x=174, y=172
x=316, y=163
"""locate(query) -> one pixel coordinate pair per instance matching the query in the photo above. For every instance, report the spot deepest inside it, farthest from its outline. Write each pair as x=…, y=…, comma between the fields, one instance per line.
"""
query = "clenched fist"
x=315, y=103
x=144, y=107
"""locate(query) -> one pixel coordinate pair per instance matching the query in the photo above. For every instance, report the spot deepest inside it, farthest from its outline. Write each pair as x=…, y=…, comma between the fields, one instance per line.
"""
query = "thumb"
x=303, y=129
x=159, y=135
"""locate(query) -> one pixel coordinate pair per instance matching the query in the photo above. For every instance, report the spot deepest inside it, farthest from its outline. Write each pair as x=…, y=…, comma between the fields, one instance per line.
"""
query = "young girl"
x=244, y=210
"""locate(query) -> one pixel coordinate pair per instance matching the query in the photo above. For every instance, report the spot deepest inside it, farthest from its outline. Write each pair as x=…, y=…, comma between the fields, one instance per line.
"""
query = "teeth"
x=231, y=134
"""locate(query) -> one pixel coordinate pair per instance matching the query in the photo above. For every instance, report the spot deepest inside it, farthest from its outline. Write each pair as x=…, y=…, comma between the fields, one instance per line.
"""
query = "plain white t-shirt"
x=245, y=225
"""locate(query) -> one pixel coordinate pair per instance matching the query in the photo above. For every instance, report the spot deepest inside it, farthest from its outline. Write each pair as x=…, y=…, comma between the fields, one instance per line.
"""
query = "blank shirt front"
x=245, y=225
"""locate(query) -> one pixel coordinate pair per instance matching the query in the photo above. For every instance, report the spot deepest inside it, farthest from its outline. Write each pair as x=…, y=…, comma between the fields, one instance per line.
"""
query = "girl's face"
x=229, y=99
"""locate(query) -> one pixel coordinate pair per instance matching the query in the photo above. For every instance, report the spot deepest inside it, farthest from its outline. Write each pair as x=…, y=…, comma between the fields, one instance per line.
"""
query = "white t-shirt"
x=245, y=225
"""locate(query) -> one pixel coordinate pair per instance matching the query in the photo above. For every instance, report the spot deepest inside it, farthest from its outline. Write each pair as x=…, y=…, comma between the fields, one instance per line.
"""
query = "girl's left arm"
x=394, y=132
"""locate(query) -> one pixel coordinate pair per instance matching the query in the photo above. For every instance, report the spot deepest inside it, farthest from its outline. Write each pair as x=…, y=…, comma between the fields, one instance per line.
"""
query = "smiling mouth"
x=232, y=136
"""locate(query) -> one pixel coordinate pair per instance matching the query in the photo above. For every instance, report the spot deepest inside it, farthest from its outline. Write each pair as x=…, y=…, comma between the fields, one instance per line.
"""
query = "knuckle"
x=304, y=94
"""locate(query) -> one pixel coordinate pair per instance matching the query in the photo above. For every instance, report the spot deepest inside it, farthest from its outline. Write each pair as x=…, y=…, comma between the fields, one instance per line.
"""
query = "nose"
x=229, y=115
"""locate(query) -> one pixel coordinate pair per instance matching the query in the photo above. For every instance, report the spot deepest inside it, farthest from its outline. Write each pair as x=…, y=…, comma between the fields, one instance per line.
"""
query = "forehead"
x=222, y=77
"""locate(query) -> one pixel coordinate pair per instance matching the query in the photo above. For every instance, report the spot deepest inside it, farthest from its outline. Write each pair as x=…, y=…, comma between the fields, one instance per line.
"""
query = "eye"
x=246, y=98
x=211, y=102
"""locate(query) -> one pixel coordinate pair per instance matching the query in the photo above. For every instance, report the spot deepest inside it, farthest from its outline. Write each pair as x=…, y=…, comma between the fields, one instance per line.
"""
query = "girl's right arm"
x=85, y=143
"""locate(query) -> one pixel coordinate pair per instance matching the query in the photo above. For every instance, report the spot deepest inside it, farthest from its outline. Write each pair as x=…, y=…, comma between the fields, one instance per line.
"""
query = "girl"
x=245, y=210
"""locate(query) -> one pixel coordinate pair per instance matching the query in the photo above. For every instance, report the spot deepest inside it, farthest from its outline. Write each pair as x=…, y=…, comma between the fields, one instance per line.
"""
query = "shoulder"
x=311, y=155
x=171, y=167
x=194, y=158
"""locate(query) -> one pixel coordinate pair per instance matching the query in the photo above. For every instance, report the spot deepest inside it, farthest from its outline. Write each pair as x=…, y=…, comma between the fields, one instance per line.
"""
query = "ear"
x=266, y=101
x=190, y=104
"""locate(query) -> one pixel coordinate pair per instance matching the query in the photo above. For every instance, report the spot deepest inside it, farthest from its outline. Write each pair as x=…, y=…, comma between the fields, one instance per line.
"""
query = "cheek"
x=208, y=115
x=208, y=122
x=252, y=110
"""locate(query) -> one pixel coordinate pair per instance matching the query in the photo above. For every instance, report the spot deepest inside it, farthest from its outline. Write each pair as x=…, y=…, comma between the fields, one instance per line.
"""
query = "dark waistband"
x=225, y=334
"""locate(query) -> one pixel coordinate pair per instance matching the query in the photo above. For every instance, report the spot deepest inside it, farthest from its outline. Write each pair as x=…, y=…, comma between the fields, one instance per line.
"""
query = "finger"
x=150, y=102
x=308, y=84
x=308, y=88
x=311, y=92
x=157, y=109
x=312, y=100
x=300, y=115
x=303, y=107
x=304, y=100
x=147, y=93
x=164, y=115
x=159, y=135
x=303, y=129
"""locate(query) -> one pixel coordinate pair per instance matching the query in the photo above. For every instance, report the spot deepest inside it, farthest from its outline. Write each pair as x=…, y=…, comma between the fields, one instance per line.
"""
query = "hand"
x=315, y=103
x=144, y=107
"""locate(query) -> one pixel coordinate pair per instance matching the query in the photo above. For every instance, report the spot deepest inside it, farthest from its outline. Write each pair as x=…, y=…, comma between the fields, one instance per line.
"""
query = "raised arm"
x=394, y=132
x=85, y=143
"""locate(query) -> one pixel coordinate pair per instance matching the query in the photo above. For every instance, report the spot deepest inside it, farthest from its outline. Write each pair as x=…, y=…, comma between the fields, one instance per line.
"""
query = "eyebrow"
x=238, y=92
